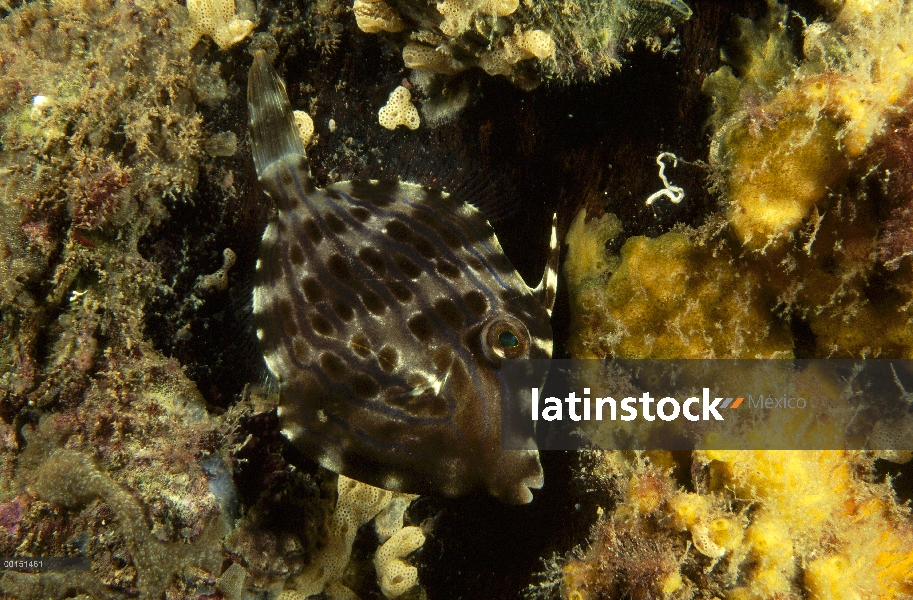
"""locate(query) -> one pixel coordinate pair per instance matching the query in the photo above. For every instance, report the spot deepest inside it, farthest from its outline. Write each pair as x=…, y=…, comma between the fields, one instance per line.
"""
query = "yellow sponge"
x=777, y=176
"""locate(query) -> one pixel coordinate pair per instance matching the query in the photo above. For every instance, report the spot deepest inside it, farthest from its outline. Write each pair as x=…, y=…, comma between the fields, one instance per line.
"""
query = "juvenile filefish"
x=384, y=311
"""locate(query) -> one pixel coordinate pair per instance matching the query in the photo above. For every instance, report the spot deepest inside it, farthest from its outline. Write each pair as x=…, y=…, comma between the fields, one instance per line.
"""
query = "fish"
x=384, y=311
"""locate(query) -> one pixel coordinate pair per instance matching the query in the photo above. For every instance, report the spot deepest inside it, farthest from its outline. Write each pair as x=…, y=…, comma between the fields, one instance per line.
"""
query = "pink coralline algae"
x=11, y=514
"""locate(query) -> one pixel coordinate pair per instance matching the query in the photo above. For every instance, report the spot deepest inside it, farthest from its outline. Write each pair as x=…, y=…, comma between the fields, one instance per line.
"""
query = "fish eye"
x=508, y=339
x=505, y=337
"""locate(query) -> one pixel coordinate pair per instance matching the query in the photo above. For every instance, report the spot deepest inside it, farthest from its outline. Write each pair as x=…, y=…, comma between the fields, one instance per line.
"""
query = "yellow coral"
x=876, y=72
x=670, y=584
x=399, y=110
x=394, y=575
x=500, y=8
x=815, y=528
x=305, y=125
x=776, y=177
x=523, y=45
x=586, y=254
x=813, y=504
x=686, y=510
x=537, y=43
x=669, y=297
x=218, y=20
x=789, y=134
x=375, y=16
x=357, y=504
x=779, y=158
x=769, y=524
x=423, y=58
x=726, y=532
x=457, y=15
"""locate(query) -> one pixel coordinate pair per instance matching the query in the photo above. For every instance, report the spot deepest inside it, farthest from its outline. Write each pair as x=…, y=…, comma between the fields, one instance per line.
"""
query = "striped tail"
x=273, y=134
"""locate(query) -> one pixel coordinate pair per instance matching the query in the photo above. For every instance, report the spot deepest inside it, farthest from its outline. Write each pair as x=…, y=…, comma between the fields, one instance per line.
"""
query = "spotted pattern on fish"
x=384, y=311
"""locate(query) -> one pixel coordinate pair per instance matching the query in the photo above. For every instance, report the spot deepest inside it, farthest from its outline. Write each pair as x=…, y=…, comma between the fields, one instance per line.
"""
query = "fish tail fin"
x=273, y=133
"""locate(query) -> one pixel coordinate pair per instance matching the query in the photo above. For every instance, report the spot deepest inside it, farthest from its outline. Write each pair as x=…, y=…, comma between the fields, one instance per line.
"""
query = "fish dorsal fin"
x=273, y=134
x=546, y=290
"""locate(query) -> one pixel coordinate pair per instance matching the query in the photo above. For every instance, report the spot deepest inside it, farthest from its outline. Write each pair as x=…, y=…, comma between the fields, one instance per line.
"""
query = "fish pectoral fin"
x=426, y=399
x=546, y=290
x=432, y=385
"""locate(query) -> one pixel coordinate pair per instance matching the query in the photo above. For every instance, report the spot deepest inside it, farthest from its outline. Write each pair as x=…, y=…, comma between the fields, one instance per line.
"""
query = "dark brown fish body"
x=384, y=311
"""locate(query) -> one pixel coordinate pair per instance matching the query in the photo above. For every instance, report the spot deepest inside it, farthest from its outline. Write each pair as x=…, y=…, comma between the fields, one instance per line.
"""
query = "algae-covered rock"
x=806, y=257
x=777, y=177
x=528, y=43
x=759, y=525
x=809, y=250
x=109, y=450
x=667, y=297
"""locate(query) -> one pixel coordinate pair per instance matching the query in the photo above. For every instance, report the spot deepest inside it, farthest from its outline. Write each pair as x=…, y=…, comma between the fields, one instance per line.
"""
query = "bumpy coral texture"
x=358, y=504
x=375, y=16
x=305, y=125
x=399, y=110
x=761, y=525
x=809, y=255
x=825, y=110
x=668, y=297
x=527, y=43
x=107, y=448
x=805, y=239
x=218, y=20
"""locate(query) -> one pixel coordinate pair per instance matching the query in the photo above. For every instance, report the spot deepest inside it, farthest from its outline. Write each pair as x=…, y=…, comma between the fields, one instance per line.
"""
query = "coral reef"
x=375, y=16
x=816, y=505
x=70, y=479
x=218, y=20
x=667, y=297
x=126, y=437
x=806, y=118
x=808, y=257
x=110, y=126
x=395, y=575
x=219, y=279
x=357, y=504
x=527, y=43
x=305, y=125
x=806, y=242
x=761, y=525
